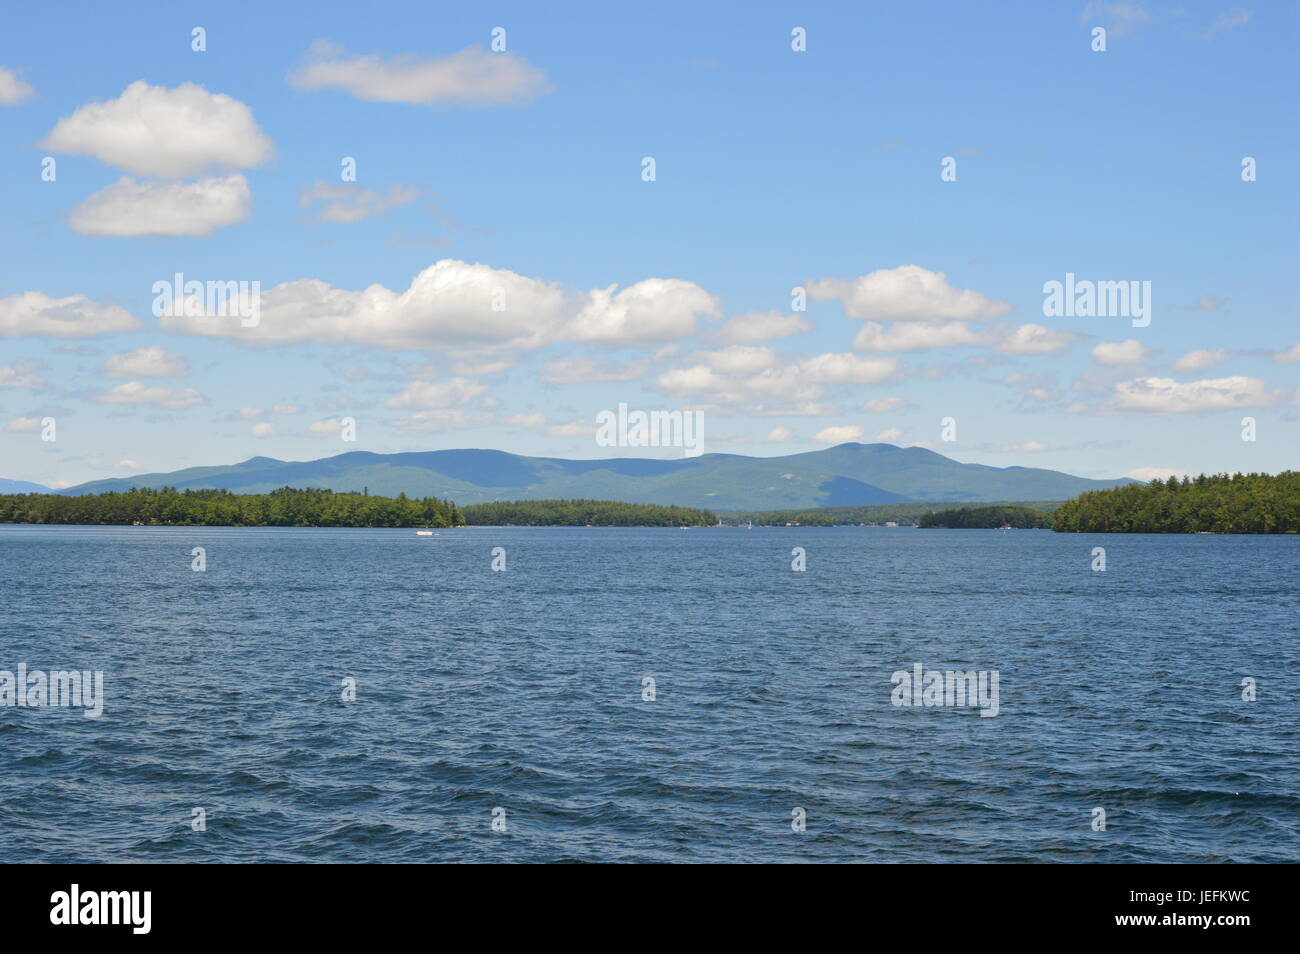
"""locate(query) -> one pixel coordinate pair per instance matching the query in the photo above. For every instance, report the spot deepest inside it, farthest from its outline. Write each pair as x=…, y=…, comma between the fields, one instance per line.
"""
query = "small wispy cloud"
x=1119, y=18
x=345, y=203
x=1230, y=20
x=1207, y=303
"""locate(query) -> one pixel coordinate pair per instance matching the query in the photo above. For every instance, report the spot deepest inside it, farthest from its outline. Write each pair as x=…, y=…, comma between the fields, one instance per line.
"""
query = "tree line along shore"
x=1221, y=503
x=289, y=507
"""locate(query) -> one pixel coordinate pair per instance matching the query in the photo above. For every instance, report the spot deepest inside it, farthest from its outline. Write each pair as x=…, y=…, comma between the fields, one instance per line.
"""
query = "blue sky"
x=520, y=172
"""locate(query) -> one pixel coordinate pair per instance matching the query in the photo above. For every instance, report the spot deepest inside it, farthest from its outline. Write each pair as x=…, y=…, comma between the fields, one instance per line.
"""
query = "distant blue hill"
x=845, y=475
x=8, y=486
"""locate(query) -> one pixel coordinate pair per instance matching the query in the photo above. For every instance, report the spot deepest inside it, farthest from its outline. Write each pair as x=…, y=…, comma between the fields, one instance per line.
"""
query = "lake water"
x=522, y=691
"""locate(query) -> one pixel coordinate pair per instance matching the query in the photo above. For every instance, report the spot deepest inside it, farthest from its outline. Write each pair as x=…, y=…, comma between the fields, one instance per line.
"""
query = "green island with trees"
x=986, y=518
x=1219, y=503
x=852, y=516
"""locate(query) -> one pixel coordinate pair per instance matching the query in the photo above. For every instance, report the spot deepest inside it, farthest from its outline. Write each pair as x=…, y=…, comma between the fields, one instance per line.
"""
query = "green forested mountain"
x=1223, y=503
x=285, y=507
x=847, y=475
x=581, y=513
x=22, y=487
x=985, y=518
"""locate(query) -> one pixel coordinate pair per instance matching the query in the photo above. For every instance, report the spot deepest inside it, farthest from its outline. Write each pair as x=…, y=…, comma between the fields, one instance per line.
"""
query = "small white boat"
x=424, y=533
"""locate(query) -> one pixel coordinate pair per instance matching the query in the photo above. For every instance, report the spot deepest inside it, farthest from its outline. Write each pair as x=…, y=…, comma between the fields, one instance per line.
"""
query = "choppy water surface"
x=523, y=690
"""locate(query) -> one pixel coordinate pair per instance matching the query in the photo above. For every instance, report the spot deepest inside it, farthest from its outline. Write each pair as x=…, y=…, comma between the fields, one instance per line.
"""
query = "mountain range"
x=844, y=475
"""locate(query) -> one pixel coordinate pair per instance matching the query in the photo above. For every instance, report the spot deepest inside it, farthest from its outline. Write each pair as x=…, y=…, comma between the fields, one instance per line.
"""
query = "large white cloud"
x=906, y=293
x=1167, y=396
x=472, y=77
x=653, y=310
x=131, y=209
x=449, y=304
x=37, y=315
x=12, y=88
x=455, y=305
x=152, y=130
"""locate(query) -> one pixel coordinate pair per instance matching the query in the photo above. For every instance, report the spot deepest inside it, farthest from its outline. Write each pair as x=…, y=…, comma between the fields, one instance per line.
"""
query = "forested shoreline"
x=583, y=513
x=1219, y=503
x=289, y=507
x=286, y=507
x=988, y=518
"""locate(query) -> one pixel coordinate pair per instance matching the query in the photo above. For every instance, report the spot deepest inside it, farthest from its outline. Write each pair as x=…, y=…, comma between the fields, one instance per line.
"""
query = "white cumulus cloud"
x=839, y=434
x=155, y=131
x=1167, y=396
x=130, y=209
x=12, y=88
x=151, y=362
x=1290, y=356
x=760, y=327
x=453, y=392
x=740, y=359
x=135, y=394
x=449, y=304
x=651, y=311
x=1202, y=360
x=1120, y=352
x=37, y=315
x=915, y=337
x=1034, y=339
x=906, y=293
